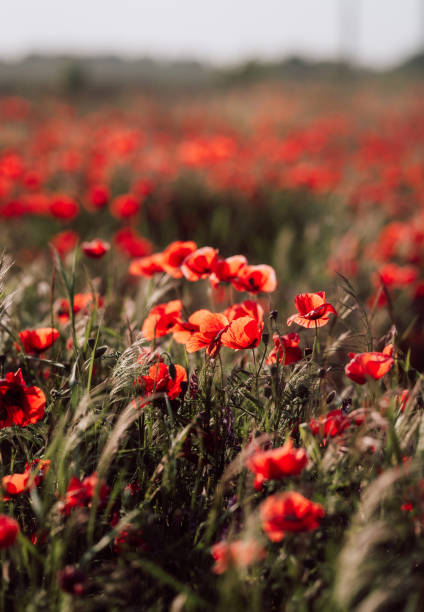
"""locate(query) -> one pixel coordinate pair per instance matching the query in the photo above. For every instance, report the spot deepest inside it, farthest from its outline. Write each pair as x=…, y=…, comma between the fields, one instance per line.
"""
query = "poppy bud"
x=91, y=343
x=308, y=351
x=183, y=387
x=265, y=338
x=330, y=397
x=346, y=404
x=267, y=391
x=273, y=315
x=321, y=373
x=100, y=351
x=172, y=371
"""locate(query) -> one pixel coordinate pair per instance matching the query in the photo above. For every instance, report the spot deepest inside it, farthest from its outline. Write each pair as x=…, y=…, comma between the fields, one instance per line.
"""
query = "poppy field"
x=212, y=349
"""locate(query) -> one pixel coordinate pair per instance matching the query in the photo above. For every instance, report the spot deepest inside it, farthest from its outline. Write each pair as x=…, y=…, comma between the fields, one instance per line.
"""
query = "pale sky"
x=218, y=30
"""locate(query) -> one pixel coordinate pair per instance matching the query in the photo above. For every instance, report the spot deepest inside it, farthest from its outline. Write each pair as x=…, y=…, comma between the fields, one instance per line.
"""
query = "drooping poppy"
x=174, y=255
x=95, y=248
x=286, y=349
x=161, y=319
x=242, y=333
x=256, y=279
x=277, y=463
x=313, y=310
x=289, y=511
x=9, y=529
x=239, y=553
x=36, y=341
x=19, y=404
x=373, y=365
x=199, y=264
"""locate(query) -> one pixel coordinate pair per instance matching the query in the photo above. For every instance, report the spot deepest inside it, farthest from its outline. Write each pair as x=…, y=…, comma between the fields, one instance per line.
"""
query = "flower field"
x=212, y=350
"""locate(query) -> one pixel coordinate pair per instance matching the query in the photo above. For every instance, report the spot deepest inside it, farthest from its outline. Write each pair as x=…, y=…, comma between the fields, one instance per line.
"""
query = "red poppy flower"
x=199, y=264
x=161, y=319
x=211, y=327
x=124, y=206
x=242, y=333
x=19, y=404
x=368, y=365
x=159, y=380
x=286, y=349
x=36, y=341
x=239, y=553
x=82, y=301
x=393, y=275
x=184, y=330
x=227, y=270
x=248, y=308
x=63, y=207
x=131, y=244
x=64, y=242
x=96, y=248
x=9, y=530
x=332, y=424
x=289, y=512
x=313, y=310
x=130, y=537
x=174, y=255
x=146, y=266
x=277, y=463
x=98, y=196
x=255, y=279
x=15, y=484
x=80, y=493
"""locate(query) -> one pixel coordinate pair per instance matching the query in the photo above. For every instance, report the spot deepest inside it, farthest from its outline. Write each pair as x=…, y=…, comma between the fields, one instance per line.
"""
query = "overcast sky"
x=379, y=31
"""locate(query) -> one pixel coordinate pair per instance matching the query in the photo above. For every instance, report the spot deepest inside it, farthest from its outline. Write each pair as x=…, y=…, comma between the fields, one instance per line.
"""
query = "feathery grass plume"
x=131, y=363
x=380, y=565
x=6, y=297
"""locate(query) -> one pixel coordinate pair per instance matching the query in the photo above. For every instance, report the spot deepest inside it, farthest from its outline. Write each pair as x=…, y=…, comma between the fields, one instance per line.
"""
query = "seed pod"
x=265, y=338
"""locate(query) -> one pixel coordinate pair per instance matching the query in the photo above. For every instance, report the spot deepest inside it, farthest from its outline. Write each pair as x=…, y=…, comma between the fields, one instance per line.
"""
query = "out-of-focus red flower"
x=64, y=242
x=15, y=484
x=96, y=248
x=124, y=206
x=199, y=264
x=161, y=319
x=159, y=380
x=227, y=270
x=256, y=279
x=393, y=275
x=63, y=207
x=332, y=424
x=289, y=511
x=286, y=349
x=71, y=580
x=98, y=195
x=36, y=341
x=174, y=255
x=368, y=365
x=130, y=538
x=131, y=244
x=146, y=266
x=211, y=327
x=242, y=333
x=82, y=302
x=313, y=310
x=9, y=530
x=277, y=463
x=19, y=404
x=239, y=553
x=80, y=493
